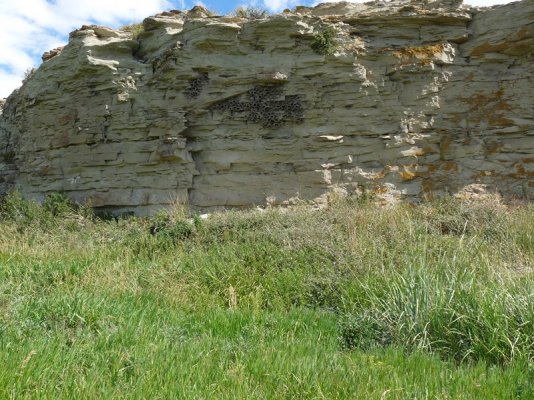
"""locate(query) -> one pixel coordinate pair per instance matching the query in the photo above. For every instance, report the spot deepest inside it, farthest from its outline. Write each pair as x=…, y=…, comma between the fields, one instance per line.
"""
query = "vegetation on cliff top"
x=354, y=301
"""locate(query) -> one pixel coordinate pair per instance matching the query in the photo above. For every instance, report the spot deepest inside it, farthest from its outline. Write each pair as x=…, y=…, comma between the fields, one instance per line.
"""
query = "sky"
x=28, y=28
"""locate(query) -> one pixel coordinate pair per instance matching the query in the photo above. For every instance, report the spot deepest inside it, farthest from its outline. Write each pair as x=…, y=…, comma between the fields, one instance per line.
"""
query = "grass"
x=353, y=301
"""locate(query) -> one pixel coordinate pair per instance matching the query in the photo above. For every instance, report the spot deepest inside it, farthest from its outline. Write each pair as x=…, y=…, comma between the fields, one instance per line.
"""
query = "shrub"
x=29, y=213
x=163, y=225
x=251, y=13
x=136, y=29
x=57, y=204
x=325, y=42
x=14, y=208
x=28, y=74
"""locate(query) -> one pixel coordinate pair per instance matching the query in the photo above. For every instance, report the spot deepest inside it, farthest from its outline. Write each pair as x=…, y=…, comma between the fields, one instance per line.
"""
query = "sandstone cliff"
x=415, y=99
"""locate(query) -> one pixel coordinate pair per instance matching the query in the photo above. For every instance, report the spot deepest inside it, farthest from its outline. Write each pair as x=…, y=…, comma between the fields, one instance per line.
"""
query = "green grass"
x=353, y=301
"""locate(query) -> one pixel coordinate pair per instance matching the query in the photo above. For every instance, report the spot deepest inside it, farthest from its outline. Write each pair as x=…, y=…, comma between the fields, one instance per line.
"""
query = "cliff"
x=399, y=99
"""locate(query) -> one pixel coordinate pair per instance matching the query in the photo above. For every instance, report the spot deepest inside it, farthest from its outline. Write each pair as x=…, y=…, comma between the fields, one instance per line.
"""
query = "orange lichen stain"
x=431, y=168
x=529, y=160
x=425, y=53
x=62, y=140
x=526, y=32
x=483, y=99
x=406, y=174
x=43, y=171
x=495, y=120
x=520, y=168
x=492, y=148
x=521, y=172
x=483, y=174
x=487, y=106
x=490, y=48
x=518, y=44
x=65, y=119
x=531, y=184
x=470, y=77
x=449, y=166
x=378, y=175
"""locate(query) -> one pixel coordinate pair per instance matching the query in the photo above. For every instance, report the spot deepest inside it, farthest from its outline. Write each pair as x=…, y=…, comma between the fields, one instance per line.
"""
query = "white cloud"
x=30, y=27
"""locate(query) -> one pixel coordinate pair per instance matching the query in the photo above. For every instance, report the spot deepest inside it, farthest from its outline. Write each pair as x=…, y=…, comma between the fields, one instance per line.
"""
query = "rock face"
x=398, y=99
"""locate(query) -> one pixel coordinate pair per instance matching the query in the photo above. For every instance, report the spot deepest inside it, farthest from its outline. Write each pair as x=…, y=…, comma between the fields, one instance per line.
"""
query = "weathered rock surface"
x=419, y=98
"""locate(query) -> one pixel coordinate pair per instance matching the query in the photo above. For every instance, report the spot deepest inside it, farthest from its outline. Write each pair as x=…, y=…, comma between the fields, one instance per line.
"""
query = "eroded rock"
x=418, y=98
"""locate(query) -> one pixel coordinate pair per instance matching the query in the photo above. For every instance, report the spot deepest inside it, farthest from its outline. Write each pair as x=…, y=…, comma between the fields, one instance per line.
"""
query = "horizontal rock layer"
x=417, y=99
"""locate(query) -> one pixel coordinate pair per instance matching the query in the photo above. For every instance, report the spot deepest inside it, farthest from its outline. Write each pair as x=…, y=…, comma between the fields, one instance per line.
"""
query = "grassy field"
x=355, y=301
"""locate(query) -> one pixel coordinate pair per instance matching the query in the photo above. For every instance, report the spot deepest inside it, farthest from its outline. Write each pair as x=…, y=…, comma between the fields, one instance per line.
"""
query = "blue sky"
x=30, y=27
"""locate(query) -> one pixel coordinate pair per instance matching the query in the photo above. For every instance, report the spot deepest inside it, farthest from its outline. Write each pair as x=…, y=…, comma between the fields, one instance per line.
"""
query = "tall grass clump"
x=453, y=313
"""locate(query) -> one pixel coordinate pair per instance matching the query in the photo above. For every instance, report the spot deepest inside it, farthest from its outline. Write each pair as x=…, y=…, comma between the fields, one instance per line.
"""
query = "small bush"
x=325, y=42
x=16, y=209
x=136, y=29
x=28, y=74
x=251, y=13
x=362, y=331
x=163, y=225
x=57, y=204
x=29, y=213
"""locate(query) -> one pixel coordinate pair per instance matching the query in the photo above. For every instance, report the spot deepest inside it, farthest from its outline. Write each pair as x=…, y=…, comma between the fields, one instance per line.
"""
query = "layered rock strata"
x=398, y=99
